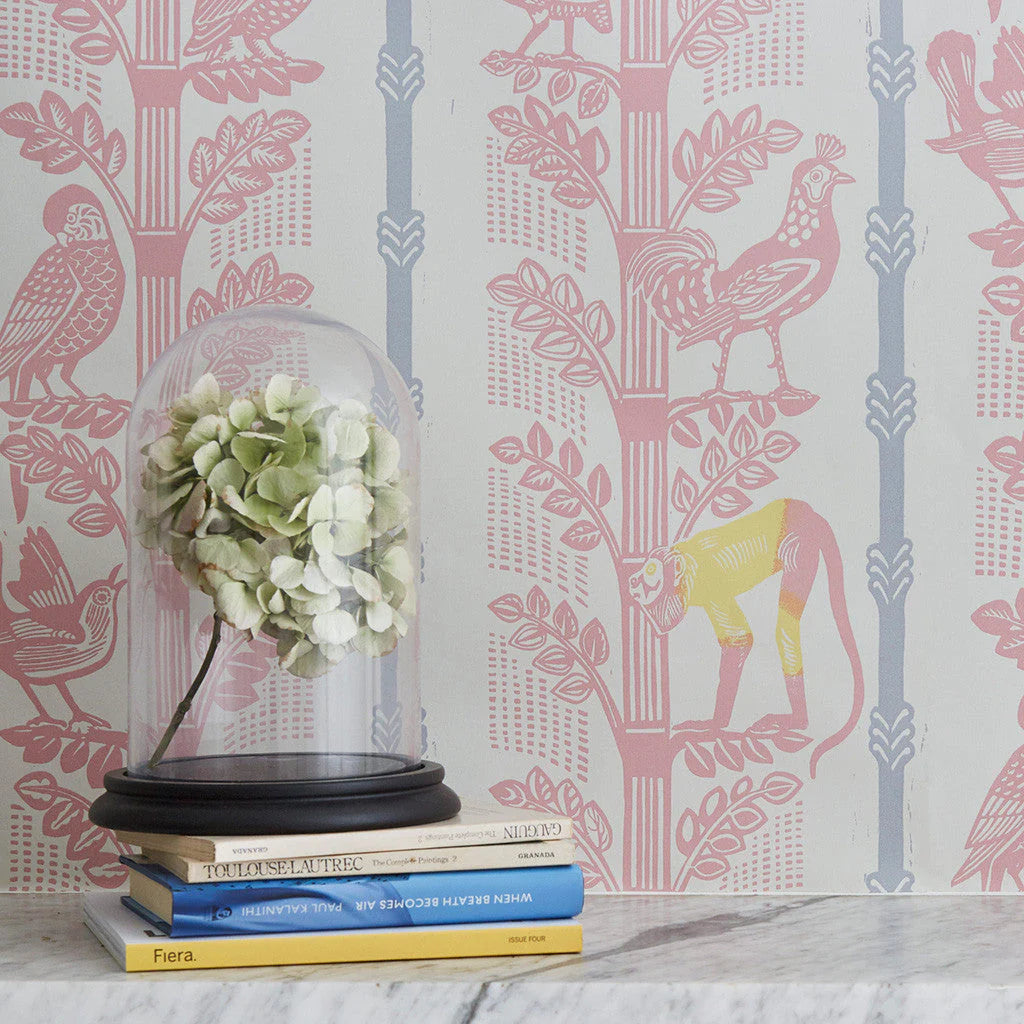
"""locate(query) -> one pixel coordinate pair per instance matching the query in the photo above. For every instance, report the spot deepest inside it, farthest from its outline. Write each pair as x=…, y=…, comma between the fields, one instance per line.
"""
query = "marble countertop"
x=834, y=959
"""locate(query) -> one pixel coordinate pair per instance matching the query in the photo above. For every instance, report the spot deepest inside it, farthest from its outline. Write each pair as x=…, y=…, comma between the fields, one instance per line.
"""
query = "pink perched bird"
x=596, y=13
x=995, y=846
x=69, y=302
x=990, y=144
x=234, y=30
x=63, y=634
x=771, y=282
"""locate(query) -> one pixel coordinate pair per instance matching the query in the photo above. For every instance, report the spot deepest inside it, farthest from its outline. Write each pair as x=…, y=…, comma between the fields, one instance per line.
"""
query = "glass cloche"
x=272, y=483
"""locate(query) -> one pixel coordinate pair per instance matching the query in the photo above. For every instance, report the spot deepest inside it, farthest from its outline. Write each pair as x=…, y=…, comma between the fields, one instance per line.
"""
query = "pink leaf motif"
x=688, y=832
x=743, y=438
x=508, y=608
x=704, y=49
x=994, y=7
x=725, y=844
x=1005, y=242
x=594, y=642
x=93, y=520
x=762, y=412
x=593, y=98
x=583, y=374
x=568, y=798
x=565, y=294
x=572, y=689
x=685, y=431
x=528, y=637
x=537, y=603
x=790, y=742
x=684, y=491
x=755, y=474
x=509, y=450
x=1007, y=454
x=599, y=486
x=778, y=446
x=76, y=18
x=540, y=787
x=563, y=503
x=779, y=787
x=94, y=49
x=583, y=536
x=729, y=502
x=510, y=793
x=222, y=208
x=565, y=620
x=561, y=86
x=554, y=660
x=714, y=460
x=533, y=316
x=597, y=319
x=715, y=801
x=699, y=761
x=720, y=416
x=533, y=278
x=997, y=618
x=1006, y=295
x=537, y=478
x=557, y=344
x=596, y=826
x=570, y=459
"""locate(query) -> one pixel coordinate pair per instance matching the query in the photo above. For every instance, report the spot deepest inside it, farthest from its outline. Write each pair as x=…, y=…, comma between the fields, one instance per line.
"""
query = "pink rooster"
x=769, y=283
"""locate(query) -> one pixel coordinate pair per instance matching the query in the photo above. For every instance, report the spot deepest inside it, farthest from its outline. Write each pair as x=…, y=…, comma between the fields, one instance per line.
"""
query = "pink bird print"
x=224, y=31
x=990, y=144
x=69, y=302
x=772, y=281
x=63, y=634
x=995, y=846
x=596, y=13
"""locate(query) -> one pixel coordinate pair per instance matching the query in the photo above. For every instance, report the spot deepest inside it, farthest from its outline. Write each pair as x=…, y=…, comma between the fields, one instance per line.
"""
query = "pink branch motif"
x=84, y=17
x=60, y=140
x=1007, y=455
x=599, y=82
x=1000, y=619
x=709, y=837
x=706, y=24
x=555, y=151
x=720, y=160
x=262, y=285
x=238, y=163
x=72, y=474
x=65, y=816
x=98, y=750
x=100, y=416
x=567, y=331
x=571, y=498
x=703, y=752
x=1006, y=296
x=728, y=470
x=561, y=649
x=591, y=828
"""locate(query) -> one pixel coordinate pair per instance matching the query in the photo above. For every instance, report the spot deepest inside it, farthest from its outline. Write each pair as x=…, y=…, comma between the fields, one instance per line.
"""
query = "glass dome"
x=273, y=482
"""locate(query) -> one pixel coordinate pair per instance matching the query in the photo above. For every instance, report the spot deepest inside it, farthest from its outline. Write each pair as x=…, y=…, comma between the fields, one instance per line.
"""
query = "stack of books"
x=484, y=883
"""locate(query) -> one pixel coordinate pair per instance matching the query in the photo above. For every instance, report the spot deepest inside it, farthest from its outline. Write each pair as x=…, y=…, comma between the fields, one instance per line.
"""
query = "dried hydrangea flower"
x=289, y=513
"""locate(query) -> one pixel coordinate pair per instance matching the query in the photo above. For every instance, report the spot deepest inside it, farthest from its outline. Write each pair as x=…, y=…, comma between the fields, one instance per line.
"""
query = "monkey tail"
x=837, y=598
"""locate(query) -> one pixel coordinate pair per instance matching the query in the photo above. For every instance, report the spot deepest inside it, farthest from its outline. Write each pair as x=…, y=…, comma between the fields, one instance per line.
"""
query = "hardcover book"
x=137, y=946
x=373, y=901
x=550, y=852
x=472, y=826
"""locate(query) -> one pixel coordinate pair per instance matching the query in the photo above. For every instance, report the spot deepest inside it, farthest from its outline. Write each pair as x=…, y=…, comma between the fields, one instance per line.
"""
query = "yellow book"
x=138, y=947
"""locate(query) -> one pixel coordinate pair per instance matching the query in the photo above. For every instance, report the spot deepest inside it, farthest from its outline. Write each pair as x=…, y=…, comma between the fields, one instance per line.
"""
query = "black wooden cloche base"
x=413, y=795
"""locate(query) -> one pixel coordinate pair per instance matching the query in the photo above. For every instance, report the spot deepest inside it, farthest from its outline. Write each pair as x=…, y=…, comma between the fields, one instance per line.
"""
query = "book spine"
x=227, y=849
x=451, y=897
x=313, y=948
x=455, y=858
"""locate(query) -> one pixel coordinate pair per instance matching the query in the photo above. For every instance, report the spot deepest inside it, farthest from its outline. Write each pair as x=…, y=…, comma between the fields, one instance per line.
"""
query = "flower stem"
x=186, y=702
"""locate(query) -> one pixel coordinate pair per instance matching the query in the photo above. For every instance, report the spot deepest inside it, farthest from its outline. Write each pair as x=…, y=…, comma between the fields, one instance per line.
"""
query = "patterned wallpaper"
x=713, y=315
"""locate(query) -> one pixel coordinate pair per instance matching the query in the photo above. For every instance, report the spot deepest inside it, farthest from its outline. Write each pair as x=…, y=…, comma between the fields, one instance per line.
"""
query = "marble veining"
x=834, y=959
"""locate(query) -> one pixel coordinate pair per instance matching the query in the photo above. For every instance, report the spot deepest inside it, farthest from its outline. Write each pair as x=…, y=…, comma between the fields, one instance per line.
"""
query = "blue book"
x=353, y=901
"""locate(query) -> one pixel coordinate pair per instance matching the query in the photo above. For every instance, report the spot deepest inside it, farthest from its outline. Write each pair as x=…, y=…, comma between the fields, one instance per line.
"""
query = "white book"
x=394, y=862
x=472, y=826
